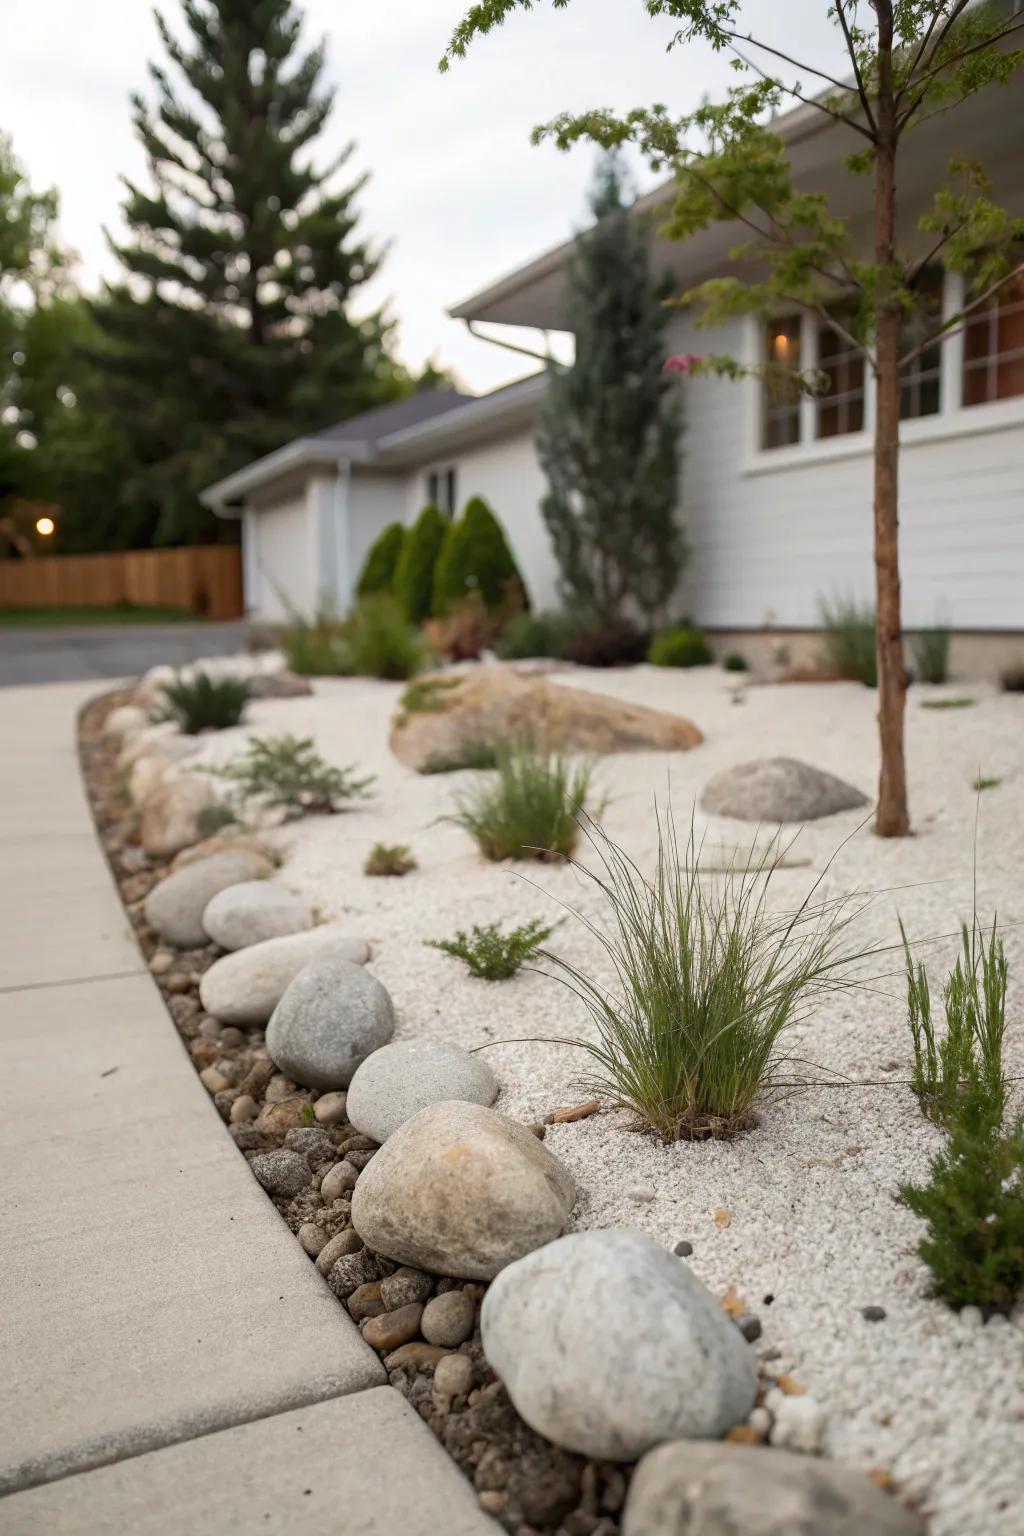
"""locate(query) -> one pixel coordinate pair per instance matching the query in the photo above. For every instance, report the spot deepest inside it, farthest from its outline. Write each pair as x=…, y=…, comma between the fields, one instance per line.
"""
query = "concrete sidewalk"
x=152, y=1295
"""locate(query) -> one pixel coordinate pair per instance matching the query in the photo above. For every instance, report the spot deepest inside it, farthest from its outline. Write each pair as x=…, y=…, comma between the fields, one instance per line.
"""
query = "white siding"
x=509, y=478
x=282, y=565
x=767, y=542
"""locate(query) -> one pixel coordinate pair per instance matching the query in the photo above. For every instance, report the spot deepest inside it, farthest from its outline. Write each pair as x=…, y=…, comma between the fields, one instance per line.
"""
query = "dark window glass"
x=994, y=347
x=919, y=386
x=780, y=400
x=840, y=408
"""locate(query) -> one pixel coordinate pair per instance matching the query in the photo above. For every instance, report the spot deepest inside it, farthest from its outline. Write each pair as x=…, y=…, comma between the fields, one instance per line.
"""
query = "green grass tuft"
x=491, y=954
x=948, y=703
x=930, y=650
x=708, y=979
x=389, y=859
x=469, y=754
x=849, y=633
x=427, y=695
x=530, y=810
x=984, y=781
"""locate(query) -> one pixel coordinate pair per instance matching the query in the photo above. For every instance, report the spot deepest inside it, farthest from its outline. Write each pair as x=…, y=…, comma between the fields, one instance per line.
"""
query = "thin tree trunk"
x=891, y=818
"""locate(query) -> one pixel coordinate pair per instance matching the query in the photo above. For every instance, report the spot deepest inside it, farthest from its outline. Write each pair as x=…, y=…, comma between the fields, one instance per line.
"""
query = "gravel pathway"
x=816, y=1233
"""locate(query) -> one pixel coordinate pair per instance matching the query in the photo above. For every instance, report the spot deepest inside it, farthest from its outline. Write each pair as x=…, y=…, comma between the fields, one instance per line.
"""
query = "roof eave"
x=224, y=497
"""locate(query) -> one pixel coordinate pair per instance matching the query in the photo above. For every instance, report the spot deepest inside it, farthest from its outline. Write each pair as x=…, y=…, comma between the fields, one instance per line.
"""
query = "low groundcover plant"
x=204, y=703
x=286, y=773
x=491, y=954
x=708, y=977
x=389, y=859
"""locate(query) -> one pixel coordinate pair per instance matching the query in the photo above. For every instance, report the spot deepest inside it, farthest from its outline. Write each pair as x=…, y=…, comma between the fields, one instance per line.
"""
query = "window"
x=994, y=347
x=780, y=421
x=441, y=489
x=920, y=381
x=840, y=407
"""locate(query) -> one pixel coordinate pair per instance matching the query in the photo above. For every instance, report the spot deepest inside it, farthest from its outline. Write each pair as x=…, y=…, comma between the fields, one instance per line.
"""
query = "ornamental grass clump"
x=708, y=977
x=849, y=633
x=389, y=859
x=930, y=650
x=204, y=703
x=530, y=809
x=286, y=773
x=492, y=955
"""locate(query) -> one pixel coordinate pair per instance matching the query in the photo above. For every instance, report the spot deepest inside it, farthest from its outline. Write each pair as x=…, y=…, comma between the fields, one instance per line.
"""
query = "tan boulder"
x=170, y=813
x=497, y=704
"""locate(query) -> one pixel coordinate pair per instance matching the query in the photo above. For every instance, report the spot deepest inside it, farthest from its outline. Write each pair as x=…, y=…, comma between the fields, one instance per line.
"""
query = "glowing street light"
x=45, y=526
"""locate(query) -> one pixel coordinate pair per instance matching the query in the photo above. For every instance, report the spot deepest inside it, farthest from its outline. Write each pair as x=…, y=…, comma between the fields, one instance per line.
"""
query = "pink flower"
x=682, y=363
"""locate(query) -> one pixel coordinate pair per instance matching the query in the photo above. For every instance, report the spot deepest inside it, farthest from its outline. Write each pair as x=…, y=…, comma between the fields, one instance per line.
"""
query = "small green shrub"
x=414, y=577
x=973, y=1207
x=709, y=974
x=287, y=773
x=204, y=703
x=735, y=662
x=475, y=557
x=969, y=1052
x=530, y=810
x=214, y=818
x=850, y=640
x=470, y=754
x=680, y=648
x=948, y=703
x=389, y=859
x=382, y=559
x=491, y=954
x=317, y=648
x=382, y=643
x=537, y=634
x=930, y=650
x=984, y=781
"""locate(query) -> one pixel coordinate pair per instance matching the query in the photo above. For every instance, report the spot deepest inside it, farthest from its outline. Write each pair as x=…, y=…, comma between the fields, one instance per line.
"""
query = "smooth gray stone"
x=607, y=1344
x=254, y=911
x=398, y=1081
x=328, y=1021
x=246, y=987
x=175, y=907
x=779, y=789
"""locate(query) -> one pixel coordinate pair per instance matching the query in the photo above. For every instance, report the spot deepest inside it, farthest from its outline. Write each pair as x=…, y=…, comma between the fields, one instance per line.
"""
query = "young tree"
x=907, y=60
x=609, y=436
x=233, y=331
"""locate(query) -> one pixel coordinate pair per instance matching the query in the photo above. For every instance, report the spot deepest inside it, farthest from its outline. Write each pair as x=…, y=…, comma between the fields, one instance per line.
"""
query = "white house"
x=775, y=498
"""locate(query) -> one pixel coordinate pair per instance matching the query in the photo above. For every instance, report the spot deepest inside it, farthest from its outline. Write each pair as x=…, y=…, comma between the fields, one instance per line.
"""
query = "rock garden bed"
x=789, y=1242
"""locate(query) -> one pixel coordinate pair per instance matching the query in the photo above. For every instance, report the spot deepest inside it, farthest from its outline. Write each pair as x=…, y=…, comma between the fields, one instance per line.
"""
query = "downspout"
x=342, y=574
x=510, y=346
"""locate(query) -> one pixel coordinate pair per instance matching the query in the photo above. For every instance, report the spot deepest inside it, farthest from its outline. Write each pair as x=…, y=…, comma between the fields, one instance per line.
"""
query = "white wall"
x=279, y=560
x=374, y=501
x=768, y=538
x=507, y=475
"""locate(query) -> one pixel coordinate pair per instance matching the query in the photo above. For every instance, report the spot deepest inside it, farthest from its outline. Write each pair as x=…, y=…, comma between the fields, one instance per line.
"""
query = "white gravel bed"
x=815, y=1223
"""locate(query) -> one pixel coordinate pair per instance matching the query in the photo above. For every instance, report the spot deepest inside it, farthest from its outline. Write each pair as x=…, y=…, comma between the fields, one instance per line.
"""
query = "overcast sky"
x=456, y=187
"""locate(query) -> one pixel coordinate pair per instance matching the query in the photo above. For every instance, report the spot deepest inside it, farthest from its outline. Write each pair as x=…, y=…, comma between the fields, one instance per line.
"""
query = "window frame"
x=953, y=418
x=436, y=477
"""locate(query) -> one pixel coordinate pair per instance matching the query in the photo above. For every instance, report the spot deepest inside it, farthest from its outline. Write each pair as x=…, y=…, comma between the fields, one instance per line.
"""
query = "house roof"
x=393, y=437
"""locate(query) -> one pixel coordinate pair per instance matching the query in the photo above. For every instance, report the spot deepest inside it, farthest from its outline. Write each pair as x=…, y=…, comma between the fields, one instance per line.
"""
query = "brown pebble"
x=244, y=1108
x=329, y=1108
x=231, y=1038
x=213, y=1080
x=277, y=1118
x=418, y=1357
x=453, y=1376
x=390, y=1329
x=177, y=983
x=339, y=1246
x=492, y=1501
x=161, y=962
x=448, y=1319
x=365, y=1301
x=538, y=1130
x=745, y=1434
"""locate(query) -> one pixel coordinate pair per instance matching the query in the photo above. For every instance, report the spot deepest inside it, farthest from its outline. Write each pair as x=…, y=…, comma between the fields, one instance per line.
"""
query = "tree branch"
x=745, y=37
x=861, y=91
x=939, y=69
x=808, y=101
x=956, y=323
x=925, y=261
x=923, y=49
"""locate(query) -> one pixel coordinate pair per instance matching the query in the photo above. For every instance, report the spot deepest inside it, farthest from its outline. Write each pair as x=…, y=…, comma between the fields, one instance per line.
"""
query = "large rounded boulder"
x=398, y=1081
x=608, y=1345
x=175, y=907
x=328, y=1021
x=460, y=1190
x=244, y=988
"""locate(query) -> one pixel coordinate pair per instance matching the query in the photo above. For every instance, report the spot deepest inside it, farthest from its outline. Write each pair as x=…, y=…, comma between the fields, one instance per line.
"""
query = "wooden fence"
x=204, y=579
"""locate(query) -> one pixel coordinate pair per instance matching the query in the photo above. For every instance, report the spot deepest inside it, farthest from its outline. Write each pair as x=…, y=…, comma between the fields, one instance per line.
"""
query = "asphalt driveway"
x=74, y=655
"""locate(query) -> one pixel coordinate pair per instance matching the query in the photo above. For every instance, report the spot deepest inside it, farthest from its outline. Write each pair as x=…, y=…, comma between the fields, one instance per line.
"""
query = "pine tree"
x=414, y=573
x=231, y=332
x=609, y=435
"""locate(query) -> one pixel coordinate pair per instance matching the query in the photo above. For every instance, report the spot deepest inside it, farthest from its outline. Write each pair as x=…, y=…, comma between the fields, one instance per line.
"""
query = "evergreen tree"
x=414, y=574
x=475, y=557
x=231, y=332
x=609, y=435
x=378, y=573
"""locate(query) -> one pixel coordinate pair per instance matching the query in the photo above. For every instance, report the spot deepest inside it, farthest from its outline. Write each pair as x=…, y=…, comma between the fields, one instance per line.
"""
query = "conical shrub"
x=414, y=577
x=475, y=557
x=378, y=573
